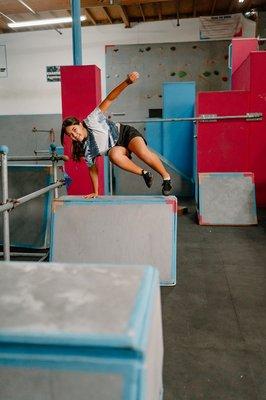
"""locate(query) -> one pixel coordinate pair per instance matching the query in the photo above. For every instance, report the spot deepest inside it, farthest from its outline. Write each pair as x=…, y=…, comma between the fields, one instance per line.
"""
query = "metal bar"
x=204, y=118
x=76, y=32
x=54, y=167
x=42, y=130
x=16, y=202
x=18, y=254
x=111, y=177
x=41, y=151
x=37, y=193
x=37, y=158
x=4, y=171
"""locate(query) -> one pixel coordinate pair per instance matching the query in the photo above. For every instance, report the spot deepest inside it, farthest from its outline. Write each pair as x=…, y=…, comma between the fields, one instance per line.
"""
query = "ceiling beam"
x=194, y=8
x=213, y=6
x=159, y=11
x=231, y=6
x=89, y=16
x=14, y=7
x=104, y=9
x=102, y=3
x=124, y=16
x=142, y=12
x=247, y=4
x=177, y=12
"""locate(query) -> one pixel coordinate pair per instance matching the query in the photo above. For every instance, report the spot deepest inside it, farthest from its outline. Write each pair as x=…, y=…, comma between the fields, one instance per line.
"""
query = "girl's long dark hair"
x=77, y=147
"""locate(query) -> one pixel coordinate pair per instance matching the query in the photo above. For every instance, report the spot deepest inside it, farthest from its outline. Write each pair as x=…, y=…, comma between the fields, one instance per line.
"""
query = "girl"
x=96, y=135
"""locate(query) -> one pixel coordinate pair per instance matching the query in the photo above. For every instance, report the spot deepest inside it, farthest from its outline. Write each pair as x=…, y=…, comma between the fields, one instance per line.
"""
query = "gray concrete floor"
x=214, y=319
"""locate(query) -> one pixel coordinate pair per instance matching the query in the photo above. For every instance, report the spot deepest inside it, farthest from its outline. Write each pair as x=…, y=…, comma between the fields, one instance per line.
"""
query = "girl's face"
x=76, y=132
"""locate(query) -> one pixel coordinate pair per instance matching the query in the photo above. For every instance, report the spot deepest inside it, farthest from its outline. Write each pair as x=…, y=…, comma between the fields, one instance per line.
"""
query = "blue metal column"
x=76, y=32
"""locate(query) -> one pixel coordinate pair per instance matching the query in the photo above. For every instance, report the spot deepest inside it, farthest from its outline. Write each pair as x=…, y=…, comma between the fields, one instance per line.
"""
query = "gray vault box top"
x=127, y=230
x=227, y=198
x=71, y=304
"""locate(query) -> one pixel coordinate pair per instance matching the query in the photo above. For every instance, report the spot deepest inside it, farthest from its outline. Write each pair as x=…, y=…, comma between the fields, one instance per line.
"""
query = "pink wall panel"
x=241, y=77
x=258, y=73
x=258, y=129
x=222, y=146
x=241, y=48
x=237, y=145
x=80, y=94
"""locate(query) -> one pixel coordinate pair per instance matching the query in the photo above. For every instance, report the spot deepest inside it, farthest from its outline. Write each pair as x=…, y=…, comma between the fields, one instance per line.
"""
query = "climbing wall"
x=204, y=62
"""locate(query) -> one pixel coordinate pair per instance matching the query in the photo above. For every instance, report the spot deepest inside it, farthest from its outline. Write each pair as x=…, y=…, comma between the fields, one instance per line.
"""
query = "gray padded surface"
x=97, y=332
x=46, y=384
x=49, y=299
x=119, y=230
x=227, y=199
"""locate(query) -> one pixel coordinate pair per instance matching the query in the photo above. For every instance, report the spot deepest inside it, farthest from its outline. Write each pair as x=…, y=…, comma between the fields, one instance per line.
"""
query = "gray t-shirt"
x=102, y=135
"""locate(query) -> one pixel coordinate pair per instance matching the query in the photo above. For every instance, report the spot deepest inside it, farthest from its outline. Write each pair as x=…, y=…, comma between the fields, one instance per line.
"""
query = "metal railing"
x=254, y=116
x=8, y=205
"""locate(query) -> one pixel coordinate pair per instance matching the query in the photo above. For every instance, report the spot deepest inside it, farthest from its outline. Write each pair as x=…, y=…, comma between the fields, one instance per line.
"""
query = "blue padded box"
x=139, y=230
x=174, y=140
x=79, y=332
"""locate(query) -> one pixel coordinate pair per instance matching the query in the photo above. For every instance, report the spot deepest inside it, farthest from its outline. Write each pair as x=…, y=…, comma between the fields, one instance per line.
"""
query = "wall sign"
x=3, y=62
x=221, y=26
x=53, y=73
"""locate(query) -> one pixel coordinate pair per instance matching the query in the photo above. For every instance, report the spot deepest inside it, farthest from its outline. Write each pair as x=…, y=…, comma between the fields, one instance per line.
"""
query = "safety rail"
x=253, y=116
x=9, y=204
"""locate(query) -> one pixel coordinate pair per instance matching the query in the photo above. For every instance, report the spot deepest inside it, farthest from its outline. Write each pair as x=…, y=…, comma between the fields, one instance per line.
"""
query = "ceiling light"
x=40, y=22
x=241, y=1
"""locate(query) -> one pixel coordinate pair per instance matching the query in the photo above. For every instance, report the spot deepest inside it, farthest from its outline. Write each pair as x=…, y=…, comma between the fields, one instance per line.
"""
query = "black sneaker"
x=166, y=187
x=148, y=178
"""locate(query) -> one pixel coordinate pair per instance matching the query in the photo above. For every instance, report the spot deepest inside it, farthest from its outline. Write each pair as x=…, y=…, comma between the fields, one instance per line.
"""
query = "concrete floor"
x=215, y=317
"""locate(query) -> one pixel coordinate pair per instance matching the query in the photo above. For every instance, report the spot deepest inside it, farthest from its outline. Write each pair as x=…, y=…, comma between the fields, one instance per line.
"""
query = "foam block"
x=227, y=199
x=30, y=222
x=80, y=332
x=80, y=103
x=117, y=229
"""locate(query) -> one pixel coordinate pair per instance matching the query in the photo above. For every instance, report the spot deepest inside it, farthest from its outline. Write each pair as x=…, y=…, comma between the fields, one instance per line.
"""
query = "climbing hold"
x=182, y=74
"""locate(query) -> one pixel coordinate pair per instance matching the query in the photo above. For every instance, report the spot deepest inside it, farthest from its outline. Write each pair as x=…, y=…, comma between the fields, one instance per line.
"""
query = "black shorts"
x=126, y=134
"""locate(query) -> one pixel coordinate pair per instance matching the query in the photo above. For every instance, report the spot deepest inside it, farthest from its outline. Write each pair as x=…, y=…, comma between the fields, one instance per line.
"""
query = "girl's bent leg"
x=138, y=147
x=118, y=155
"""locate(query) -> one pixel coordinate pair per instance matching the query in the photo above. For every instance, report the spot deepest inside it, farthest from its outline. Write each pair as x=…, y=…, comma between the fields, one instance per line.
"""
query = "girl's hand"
x=90, y=196
x=132, y=77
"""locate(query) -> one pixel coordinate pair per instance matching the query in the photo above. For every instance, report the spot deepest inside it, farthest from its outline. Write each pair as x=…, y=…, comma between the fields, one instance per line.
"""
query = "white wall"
x=26, y=91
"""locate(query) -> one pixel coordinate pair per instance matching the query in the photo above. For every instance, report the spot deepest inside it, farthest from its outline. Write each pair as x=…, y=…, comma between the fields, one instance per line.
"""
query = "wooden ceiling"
x=100, y=12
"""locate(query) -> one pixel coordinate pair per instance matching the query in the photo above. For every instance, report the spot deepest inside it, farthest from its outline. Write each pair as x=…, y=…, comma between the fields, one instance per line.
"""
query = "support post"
x=76, y=32
x=6, y=237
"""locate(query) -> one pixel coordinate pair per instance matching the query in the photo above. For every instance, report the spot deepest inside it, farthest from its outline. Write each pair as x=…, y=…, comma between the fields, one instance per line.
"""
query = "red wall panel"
x=237, y=145
x=258, y=129
x=241, y=48
x=80, y=94
x=222, y=145
x=241, y=77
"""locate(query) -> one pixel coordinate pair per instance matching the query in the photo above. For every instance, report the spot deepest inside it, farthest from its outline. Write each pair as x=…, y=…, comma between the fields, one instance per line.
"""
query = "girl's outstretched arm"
x=93, y=171
x=105, y=104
